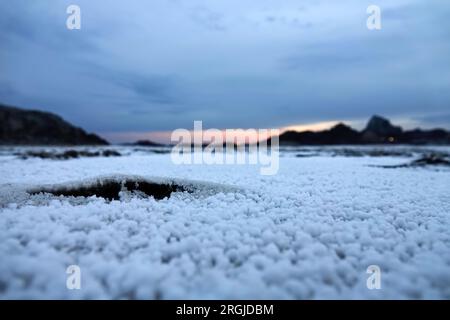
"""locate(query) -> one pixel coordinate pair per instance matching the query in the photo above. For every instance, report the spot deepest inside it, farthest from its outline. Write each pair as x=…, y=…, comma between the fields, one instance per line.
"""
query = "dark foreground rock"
x=68, y=154
x=29, y=127
x=425, y=161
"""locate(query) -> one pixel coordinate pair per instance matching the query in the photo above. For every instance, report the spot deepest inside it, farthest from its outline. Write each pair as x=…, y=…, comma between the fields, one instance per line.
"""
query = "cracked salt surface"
x=309, y=232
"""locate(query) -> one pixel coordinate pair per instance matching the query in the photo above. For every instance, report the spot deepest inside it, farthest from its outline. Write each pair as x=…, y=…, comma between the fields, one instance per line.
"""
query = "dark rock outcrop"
x=428, y=160
x=68, y=154
x=30, y=127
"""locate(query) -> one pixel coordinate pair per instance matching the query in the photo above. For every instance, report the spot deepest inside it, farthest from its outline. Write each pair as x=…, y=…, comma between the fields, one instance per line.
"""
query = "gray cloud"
x=208, y=18
x=152, y=88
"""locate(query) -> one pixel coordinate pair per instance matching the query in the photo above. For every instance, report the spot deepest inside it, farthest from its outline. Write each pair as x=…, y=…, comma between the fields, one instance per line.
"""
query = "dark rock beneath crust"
x=111, y=189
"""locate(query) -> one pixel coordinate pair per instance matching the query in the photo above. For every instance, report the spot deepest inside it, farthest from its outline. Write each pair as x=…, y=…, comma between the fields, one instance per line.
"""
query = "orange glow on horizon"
x=164, y=136
x=319, y=126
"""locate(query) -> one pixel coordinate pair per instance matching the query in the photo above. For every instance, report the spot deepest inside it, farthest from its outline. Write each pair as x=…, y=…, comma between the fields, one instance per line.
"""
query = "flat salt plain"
x=309, y=232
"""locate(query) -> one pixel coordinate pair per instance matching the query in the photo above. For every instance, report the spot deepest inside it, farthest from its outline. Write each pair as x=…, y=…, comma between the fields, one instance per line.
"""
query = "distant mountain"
x=339, y=134
x=378, y=131
x=30, y=127
x=145, y=143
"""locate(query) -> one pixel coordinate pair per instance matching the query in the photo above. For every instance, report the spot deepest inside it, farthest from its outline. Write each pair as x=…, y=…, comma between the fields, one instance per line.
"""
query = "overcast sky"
x=138, y=66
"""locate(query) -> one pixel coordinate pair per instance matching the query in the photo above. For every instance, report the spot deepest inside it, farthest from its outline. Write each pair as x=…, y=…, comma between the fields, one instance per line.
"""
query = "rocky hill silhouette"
x=378, y=131
x=31, y=127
